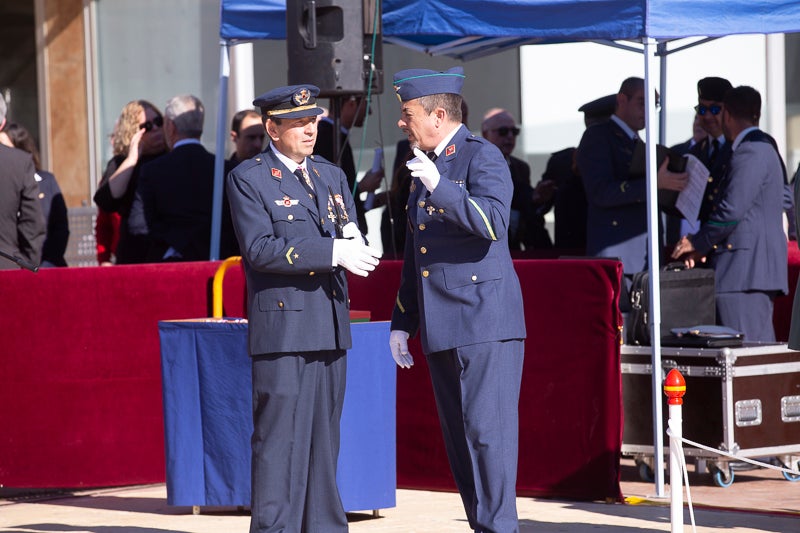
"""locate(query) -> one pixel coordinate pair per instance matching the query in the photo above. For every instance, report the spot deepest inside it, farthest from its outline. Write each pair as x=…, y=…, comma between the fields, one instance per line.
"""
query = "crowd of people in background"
x=154, y=201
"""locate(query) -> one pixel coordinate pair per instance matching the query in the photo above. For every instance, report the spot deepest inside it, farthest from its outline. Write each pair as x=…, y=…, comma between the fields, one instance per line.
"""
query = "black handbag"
x=688, y=298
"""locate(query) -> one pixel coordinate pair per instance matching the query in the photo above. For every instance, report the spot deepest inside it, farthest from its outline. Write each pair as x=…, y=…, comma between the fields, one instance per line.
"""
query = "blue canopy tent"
x=466, y=29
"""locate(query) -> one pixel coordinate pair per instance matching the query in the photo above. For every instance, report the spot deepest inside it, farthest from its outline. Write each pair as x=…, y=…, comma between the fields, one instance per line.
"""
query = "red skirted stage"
x=80, y=380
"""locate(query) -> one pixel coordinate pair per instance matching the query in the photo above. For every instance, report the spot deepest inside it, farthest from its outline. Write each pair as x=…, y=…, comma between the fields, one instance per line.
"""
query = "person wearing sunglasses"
x=713, y=150
x=526, y=229
x=173, y=203
x=137, y=139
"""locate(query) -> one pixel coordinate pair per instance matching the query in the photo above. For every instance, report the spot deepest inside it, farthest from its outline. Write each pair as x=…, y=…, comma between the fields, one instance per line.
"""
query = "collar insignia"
x=286, y=201
x=276, y=173
x=315, y=171
x=450, y=150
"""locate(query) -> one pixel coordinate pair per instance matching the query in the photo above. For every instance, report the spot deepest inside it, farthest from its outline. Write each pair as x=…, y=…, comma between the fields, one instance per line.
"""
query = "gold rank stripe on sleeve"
x=289, y=255
x=485, y=219
x=399, y=305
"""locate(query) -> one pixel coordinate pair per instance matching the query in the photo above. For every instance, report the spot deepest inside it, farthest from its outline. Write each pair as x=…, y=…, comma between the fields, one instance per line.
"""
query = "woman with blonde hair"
x=138, y=138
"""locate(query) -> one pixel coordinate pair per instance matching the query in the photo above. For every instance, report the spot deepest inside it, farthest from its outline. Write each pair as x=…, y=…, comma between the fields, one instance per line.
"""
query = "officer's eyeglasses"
x=147, y=126
x=714, y=109
x=502, y=132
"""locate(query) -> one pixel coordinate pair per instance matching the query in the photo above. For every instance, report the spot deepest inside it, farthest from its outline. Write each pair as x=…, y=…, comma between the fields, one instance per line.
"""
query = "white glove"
x=355, y=256
x=423, y=168
x=398, y=343
x=351, y=231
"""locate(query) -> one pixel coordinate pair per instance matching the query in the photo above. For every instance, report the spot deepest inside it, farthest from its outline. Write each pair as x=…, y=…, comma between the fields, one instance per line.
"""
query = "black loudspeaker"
x=330, y=45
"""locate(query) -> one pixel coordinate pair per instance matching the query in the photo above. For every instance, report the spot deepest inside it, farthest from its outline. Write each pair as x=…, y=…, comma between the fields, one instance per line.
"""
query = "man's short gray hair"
x=187, y=113
x=3, y=108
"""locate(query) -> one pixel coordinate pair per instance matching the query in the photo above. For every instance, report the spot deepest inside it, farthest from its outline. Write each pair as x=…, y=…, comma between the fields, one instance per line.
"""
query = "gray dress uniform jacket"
x=743, y=237
x=458, y=284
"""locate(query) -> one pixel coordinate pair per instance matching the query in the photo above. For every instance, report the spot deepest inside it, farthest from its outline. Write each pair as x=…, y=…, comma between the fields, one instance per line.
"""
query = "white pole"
x=653, y=252
x=675, y=388
x=219, y=156
x=675, y=474
x=775, y=99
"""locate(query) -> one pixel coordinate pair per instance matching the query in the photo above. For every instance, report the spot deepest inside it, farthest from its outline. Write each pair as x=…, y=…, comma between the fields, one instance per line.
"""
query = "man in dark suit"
x=174, y=195
x=617, y=208
x=22, y=225
x=294, y=218
x=459, y=289
x=528, y=205
x=742, y=238
x=569, y=203
x=353, y=112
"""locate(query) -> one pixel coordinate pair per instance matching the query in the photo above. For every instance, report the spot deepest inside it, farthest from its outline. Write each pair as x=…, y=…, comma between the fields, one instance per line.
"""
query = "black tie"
x=305, y=181
x=432, y=155
x=714, y=150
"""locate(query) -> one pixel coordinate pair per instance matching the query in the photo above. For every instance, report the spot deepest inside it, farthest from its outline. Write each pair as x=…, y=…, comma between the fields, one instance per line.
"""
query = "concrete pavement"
x=143, y=509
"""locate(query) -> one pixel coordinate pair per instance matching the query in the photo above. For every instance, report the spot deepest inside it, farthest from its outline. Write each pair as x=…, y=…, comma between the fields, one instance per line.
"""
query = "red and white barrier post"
x=675, y=388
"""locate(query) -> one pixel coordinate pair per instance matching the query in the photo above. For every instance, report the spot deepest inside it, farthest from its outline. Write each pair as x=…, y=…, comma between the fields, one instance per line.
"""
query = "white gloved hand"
x=423, y=168
x=355, y=256
x=351, y=231
x=398, y=343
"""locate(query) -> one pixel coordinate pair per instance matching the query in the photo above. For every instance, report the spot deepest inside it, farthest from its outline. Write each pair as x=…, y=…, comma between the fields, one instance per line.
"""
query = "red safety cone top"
x=675, y=387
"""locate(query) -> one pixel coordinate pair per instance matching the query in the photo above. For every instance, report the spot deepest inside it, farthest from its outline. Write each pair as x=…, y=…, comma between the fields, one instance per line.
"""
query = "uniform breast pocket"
x=288, y=215
x=460, y=276
x=280, y=300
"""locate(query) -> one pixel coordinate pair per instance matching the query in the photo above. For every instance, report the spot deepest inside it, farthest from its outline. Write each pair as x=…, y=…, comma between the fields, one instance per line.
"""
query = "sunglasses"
x=714, y=109
x=506, y=130
x=147, y=126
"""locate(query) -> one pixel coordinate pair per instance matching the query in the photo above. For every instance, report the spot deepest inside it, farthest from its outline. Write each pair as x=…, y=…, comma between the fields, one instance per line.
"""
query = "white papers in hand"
x=690, y=198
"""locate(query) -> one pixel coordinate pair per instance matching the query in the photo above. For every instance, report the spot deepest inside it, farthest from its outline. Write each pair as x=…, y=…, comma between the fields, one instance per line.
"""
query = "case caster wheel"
x=721, y=479
x=645, y=472
x=786, y=462
x=791, y=477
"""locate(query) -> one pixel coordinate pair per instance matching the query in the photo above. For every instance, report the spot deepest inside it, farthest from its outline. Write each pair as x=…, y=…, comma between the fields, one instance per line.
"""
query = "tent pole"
x=661, y=48
x=219, y=154
x=775, y=96
x=654, y=245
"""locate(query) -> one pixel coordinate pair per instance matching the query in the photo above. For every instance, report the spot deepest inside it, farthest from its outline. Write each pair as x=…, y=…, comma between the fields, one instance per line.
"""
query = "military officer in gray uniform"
x=743, y=238
x=294, y=218
x=460, y=291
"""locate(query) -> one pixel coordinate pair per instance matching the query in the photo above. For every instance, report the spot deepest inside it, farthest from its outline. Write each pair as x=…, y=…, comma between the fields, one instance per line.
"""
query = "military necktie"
x=714, y=151
x=305, y=181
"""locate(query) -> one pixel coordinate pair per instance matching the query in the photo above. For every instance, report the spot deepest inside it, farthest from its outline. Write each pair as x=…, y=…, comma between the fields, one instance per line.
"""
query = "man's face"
x=419, y=126
x=501, y=131
x=631, y=109
x=294, y=137
x=250, y=140
x=711, y=123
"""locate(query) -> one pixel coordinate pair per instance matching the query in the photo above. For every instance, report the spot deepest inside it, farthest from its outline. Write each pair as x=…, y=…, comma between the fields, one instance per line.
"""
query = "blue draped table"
x=206, y=377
